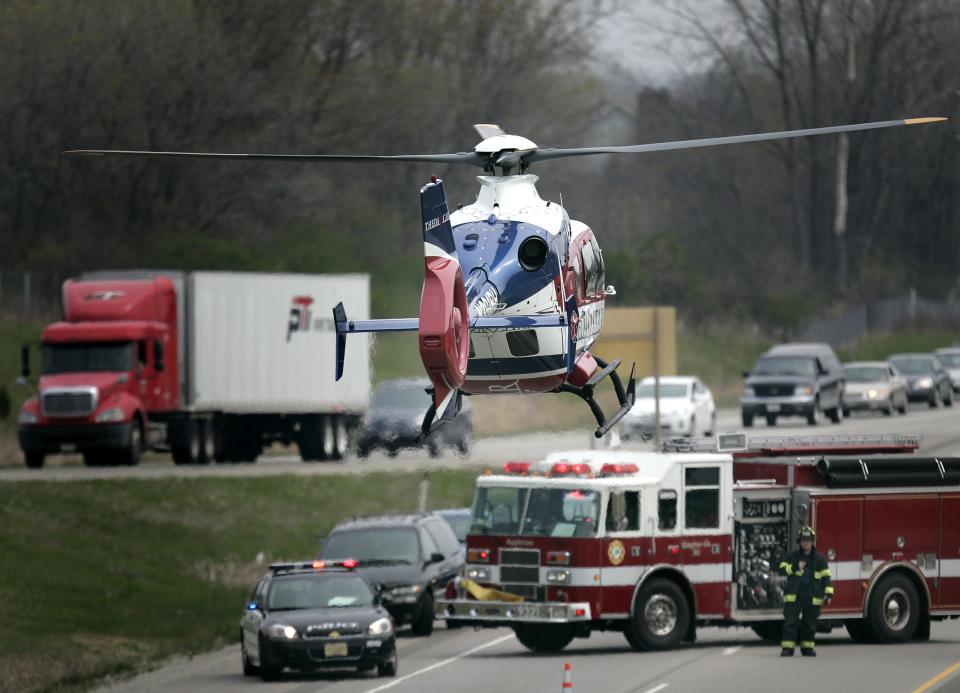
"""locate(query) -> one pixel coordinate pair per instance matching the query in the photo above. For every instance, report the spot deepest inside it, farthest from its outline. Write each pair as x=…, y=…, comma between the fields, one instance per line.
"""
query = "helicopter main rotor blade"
x=468, y=158
x=545, y=154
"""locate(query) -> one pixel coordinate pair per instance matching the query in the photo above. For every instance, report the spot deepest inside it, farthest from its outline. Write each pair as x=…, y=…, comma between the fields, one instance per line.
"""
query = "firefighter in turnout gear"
x=808, y=587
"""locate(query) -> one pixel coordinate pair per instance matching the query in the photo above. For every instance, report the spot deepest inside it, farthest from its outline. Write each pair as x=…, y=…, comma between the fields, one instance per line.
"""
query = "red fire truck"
x=654, y=544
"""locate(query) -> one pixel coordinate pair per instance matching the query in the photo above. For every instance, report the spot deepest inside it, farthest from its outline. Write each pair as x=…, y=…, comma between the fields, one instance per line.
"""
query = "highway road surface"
x=730, y=660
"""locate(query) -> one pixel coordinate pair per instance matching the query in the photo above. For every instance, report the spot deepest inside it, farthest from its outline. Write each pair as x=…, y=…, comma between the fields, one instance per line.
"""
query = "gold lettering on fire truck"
x=616, y=552
x=519, y=542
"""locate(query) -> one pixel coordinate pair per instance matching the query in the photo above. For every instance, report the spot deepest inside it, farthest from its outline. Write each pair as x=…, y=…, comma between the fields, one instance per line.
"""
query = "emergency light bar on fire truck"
x=656, y=543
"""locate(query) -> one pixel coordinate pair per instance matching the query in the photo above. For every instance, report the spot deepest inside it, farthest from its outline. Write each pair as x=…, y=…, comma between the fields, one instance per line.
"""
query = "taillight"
x=558, y=558
x=478, y=555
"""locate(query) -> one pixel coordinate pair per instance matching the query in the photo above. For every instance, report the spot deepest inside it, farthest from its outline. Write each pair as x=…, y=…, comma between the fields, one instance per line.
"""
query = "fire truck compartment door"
x=839, y=538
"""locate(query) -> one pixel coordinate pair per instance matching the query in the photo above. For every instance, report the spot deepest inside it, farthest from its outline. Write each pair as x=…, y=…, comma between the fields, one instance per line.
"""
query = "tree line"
x=769, y=233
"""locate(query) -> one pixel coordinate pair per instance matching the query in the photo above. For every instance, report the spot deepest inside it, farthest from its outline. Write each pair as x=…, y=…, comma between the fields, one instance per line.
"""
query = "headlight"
x=403, y=590
x=26, y=417
x=381, y=626
x=876, y=393
x=281, y=631
x=111, y=414
x=924, y=383
x=748, y=392
x=558, y=577
x=803, y=390
x=478, y=573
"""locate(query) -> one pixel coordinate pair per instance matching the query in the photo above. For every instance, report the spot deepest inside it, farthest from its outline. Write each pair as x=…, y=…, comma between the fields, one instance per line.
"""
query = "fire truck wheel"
x=423, y=623
x=661, y=615
x=771, y=631
x=543, y=637
x=860, y=631
x=894, y=609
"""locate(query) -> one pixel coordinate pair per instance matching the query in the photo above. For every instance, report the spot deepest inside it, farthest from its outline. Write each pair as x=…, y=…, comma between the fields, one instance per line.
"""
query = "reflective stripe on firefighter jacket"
x=813, y=577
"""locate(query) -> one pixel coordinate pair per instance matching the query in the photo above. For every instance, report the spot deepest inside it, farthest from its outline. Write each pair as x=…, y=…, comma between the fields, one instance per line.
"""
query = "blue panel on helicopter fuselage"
x=496, y=251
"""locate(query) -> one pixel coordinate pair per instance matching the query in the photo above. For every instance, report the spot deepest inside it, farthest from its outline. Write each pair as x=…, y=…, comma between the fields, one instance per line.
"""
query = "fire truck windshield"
x=552, y=512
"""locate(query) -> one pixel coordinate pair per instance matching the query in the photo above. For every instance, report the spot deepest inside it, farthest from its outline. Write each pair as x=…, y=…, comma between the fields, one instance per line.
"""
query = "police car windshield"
x=552, y=512
x=318, y=591
x=381, y=544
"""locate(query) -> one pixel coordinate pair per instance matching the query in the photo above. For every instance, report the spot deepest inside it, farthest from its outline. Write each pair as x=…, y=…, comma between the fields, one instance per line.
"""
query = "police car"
x=314, y=615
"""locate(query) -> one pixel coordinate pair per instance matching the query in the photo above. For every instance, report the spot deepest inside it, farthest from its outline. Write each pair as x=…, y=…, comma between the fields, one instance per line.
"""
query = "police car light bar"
x=347, y=563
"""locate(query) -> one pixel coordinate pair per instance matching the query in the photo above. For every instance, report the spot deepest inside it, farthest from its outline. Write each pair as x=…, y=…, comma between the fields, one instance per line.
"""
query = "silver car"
x=951, y=359
x=874, y=386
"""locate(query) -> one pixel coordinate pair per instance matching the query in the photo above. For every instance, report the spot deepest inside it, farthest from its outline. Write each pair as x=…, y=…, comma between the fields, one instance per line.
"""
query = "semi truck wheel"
x=34, y=460
x=894, y=609
x=661, y=615
x=329, y=439
x=544, y=637
x=341, y=438
x=130, y=456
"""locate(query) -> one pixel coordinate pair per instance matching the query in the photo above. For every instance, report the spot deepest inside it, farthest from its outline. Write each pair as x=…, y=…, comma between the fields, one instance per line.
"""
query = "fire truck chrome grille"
x=69, y=402
x=520, y=557
x=525, y=591
x=516, y=573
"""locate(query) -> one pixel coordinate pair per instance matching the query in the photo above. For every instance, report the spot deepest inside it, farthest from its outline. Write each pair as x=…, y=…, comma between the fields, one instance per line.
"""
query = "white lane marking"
x=443, y=663
x=732, y=650
x=657, y=688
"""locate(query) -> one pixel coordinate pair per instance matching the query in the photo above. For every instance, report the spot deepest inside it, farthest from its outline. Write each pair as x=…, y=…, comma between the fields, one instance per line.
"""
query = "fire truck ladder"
x=743, y=447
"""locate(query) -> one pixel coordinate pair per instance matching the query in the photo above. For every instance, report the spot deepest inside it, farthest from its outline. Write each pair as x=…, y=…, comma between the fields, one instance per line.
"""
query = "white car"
x=686, y=408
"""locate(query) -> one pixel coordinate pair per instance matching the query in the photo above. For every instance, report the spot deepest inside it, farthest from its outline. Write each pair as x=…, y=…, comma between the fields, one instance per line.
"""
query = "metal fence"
x=29, y=295
x=883, y=317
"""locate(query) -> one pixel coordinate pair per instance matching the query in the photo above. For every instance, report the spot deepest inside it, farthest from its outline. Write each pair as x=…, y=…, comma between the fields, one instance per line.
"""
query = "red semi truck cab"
x=108, y=368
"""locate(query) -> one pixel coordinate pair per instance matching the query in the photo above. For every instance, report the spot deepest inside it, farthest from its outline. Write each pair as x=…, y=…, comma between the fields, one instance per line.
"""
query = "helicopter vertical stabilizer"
x=444, y=329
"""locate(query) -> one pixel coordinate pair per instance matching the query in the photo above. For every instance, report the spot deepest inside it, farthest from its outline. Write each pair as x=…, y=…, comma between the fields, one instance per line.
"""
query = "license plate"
x=335, y=649
x=527, y=611
x=773, y=407
x=68, y=447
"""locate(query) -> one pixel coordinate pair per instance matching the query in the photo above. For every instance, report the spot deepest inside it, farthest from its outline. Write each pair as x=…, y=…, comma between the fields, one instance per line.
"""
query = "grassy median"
x=109, y=577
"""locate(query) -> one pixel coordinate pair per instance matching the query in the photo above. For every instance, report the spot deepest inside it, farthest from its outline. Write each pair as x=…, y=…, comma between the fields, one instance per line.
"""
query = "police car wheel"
x=661, y=615
x=894, y=609
x=268, y=671
x=388, y=668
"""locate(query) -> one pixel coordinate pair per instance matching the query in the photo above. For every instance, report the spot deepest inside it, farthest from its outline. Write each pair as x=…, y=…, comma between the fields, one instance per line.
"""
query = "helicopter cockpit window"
x=598, y=278
x=589, y=270
x=577, y=274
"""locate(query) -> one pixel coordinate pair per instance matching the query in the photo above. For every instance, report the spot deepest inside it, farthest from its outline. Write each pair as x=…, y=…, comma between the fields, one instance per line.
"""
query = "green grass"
x=879, y=347
x=105, y=577
x=719, y=356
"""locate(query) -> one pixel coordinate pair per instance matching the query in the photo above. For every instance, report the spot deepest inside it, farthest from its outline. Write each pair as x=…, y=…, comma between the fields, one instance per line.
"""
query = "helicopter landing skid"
x=625, y=397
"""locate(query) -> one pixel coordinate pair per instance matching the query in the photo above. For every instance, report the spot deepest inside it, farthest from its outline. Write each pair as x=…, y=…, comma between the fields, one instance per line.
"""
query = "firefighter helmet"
x=806, y=532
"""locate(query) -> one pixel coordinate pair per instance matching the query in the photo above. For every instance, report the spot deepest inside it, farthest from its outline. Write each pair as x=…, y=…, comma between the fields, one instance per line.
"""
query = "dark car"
x=396, y=414
x=410, y=557
x=794, y=380
x=927, y=377
x=309, y=615
x=459, y=521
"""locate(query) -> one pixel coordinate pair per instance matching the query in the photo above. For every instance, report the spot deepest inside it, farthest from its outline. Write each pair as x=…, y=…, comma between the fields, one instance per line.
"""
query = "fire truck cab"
x=654, y=544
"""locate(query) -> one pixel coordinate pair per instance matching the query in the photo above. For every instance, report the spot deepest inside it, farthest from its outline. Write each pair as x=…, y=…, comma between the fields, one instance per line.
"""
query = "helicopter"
x=514, y=289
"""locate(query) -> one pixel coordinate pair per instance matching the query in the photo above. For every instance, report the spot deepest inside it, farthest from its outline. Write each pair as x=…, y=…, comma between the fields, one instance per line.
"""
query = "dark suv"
x=794, y=380
x=396, y=413
x=409, y=557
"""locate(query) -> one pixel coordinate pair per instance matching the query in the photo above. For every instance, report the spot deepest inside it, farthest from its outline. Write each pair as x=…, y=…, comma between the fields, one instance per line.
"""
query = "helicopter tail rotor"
x=444, y=327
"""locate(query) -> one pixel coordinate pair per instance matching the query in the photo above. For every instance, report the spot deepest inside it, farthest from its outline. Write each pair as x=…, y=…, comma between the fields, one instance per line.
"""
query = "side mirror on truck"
x=158, y=356
x=24, y=364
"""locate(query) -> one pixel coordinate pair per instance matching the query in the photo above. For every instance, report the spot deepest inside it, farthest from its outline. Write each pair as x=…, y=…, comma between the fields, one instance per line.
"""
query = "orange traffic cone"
x=567, y=678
